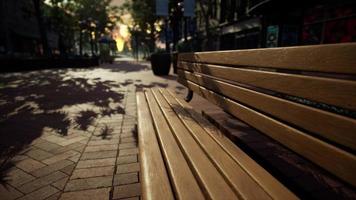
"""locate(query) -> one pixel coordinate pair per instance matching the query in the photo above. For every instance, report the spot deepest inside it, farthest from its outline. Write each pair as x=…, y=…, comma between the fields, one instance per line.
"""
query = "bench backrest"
x=303, y=97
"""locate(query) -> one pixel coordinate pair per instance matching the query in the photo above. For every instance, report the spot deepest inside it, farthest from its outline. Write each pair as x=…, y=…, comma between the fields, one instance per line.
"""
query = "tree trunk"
x=152, y=42
x=41, y=26
x=81, y=43
x=166, y=26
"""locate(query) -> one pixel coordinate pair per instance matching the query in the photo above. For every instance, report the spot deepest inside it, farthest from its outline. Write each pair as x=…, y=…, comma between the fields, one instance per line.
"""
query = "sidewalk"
x=71, y=133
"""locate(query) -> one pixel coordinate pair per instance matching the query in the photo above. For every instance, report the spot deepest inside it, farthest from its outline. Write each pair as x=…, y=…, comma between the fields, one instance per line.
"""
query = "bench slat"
x=210, y=179
x=336, y=161
x=243, y=184
x=273, y=187
x=335, y=58
x=331, y=91
x=153, y=171
x=336, y=128
x=182, y=179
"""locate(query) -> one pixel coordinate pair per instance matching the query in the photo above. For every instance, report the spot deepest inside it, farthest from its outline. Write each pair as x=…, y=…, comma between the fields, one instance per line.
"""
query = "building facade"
x=19, y=33
x=273, y=23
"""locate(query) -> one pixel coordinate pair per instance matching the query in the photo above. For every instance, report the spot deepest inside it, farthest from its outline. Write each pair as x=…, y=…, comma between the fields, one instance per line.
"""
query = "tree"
x=98, y=18
x=61, y=19
x=145, y=21
x=42, y=29
x=67, y=17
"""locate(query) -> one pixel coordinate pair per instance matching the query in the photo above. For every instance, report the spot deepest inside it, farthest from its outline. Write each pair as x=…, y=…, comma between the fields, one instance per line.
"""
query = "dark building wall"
x=19, y=30
x=286, y=23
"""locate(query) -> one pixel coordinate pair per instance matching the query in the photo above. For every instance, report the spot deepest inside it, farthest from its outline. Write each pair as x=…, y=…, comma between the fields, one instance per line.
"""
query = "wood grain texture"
x=336, y=92
x=182, y=178
x=334, y=160
x=153, y=171
x=211, y=181
x=272, y=186
x=336, y=128
x=240, y=181
x=335, y=58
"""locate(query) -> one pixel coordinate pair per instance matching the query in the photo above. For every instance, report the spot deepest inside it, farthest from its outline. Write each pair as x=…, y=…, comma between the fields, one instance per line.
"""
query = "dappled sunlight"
x=52, y=100
x=64, y=106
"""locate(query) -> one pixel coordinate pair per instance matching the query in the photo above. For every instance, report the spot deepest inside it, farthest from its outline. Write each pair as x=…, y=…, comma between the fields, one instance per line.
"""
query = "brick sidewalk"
x=71, y=134
x=100, y=165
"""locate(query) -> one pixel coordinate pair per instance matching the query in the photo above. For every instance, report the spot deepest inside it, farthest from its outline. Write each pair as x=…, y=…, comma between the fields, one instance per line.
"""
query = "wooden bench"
x=302, y=97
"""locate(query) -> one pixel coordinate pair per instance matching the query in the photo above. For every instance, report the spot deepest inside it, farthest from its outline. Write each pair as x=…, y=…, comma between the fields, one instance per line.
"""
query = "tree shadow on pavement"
x=140, y=87
x=49, y=99
x=126, y=67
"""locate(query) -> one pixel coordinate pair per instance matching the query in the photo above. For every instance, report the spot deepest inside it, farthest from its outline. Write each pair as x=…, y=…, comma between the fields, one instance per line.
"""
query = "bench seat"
x=183, y=156
x=302, y=97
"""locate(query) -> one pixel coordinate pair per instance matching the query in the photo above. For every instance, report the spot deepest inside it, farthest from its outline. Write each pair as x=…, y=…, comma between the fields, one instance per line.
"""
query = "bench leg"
x=189, y=96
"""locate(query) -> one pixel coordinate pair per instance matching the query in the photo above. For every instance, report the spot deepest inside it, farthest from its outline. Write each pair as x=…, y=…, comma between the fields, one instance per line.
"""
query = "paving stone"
x=131, y=198
x=125, y=135
x=127, y=159
x=123, y=179
x=127, y=152
x=125, y=191
x=115, y=137
x=96, y=163
x=129, y=125
x=92, y=172
x=88, y=183
x=99, y=131
x=39, y=154
x=29, y=165
x=127, y=129
x=55, y=196
x=74, y=158
x=117, y=131
x=40, y=194
x=47, y=146
x=19, y=158
x=127, y=168
x=52, y=168
x=107, y=137
x=8, y=193
x=18, y=177
x=37, y=141
x=25, y=150
x=69, y=169
x=78, y=146
x=90, y=129
x=128, y=139
x=81, y=147
x=60, y=183
x=56, y=139
x=73, y=140
x=132, y=120
x=60, y=157
x=109, y=147
x=103, y=142
x=41, y=182
x=127, y=145
x=84, y=142
x=94, y=194
x=100, y=154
